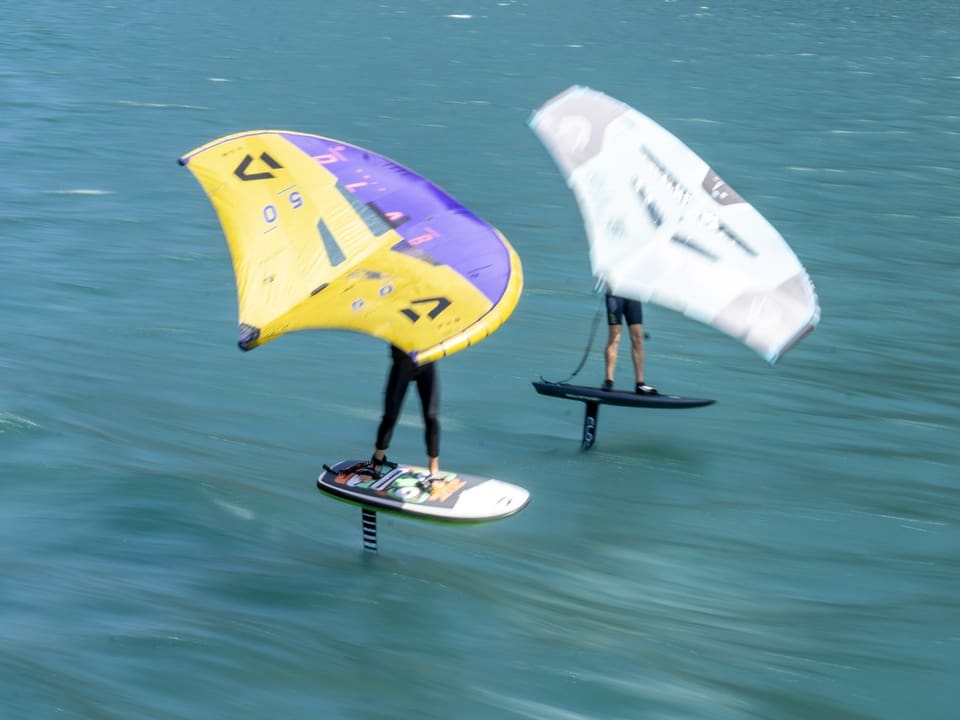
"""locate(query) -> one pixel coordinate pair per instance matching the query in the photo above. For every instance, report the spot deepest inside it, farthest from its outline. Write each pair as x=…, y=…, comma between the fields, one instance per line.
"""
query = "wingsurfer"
x=403, y=371
x=618, y=310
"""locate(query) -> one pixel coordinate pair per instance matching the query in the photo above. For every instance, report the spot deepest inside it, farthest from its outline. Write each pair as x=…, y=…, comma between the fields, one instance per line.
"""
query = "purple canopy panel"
x=430, y=221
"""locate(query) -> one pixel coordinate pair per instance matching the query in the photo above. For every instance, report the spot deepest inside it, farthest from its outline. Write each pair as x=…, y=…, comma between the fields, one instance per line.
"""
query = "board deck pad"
x=623, y=398
x=459, y=498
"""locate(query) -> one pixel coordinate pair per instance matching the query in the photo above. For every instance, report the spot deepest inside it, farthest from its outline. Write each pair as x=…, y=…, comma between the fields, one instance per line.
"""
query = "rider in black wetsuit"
x=402, y=372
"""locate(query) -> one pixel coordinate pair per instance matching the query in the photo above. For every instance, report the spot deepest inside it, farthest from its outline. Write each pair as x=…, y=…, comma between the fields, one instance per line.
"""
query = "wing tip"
x=249, y=337
x=777, y=354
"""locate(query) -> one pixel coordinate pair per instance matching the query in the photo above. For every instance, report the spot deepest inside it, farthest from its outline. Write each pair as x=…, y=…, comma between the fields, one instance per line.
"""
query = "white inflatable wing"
x=663, y=227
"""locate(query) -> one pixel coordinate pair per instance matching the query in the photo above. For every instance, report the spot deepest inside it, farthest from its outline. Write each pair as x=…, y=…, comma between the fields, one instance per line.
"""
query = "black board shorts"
x=619, y=308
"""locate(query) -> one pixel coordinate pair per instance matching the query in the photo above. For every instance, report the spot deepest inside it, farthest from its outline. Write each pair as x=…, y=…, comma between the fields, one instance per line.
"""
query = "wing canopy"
x=663, y=227
x=324, y=234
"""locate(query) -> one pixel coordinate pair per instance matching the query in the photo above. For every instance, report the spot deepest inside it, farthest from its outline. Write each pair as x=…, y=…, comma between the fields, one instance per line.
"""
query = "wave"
x=15, y=423
x=165, y=106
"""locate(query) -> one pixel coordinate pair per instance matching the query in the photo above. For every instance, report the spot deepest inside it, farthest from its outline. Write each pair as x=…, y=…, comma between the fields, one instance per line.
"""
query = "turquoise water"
x=790, y=552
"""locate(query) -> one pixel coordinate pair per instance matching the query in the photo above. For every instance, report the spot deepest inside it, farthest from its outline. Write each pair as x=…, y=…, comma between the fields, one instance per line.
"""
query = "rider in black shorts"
x=403, y=371
x=618, y=310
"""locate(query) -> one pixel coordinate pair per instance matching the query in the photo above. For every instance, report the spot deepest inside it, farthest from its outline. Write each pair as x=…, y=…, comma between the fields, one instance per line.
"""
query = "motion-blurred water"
x=790, y=552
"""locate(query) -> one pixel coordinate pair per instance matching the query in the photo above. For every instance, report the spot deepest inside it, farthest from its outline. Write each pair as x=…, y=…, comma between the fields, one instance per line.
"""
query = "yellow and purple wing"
x=324, y=234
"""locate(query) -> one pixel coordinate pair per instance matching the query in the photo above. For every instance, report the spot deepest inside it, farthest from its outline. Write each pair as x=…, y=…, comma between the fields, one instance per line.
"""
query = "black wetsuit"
x=402, y=372
x=619, y=308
